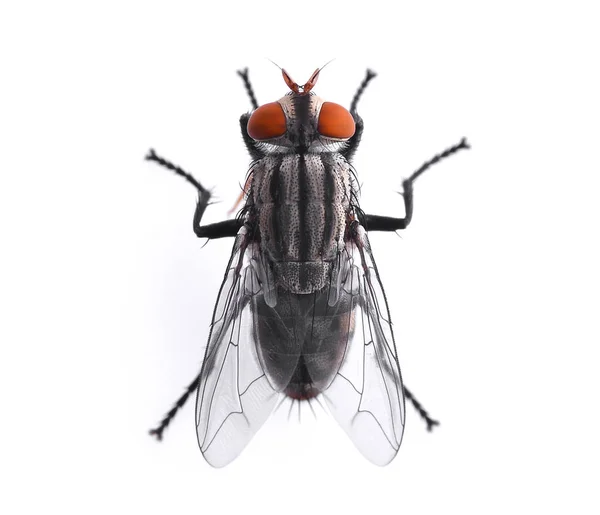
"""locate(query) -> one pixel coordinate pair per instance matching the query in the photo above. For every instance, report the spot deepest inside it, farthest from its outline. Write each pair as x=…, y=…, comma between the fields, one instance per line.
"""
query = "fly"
x=301, y=312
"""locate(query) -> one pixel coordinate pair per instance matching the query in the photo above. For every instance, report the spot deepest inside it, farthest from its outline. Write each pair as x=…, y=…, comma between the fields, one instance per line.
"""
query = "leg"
x=385, y=223
x=253, y=148
x=417, y=405
x=223, y=229
x=354, y=141
x=244, y=75
x=368, y=78
x=158, y=431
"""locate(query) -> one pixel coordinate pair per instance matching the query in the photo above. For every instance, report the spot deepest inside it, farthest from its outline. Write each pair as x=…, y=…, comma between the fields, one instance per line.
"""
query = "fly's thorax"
x=301, y=203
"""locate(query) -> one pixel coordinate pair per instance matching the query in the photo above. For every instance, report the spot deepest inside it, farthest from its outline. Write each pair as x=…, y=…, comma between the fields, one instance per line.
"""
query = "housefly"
x=301, y=312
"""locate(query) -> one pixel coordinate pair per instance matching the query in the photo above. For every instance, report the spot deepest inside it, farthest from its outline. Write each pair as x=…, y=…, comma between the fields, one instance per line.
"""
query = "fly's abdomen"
x=302, y=340
x=302, y=201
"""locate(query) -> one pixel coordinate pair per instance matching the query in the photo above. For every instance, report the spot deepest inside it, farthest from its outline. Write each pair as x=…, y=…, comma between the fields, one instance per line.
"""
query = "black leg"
x=385, y=223
x=417, y=405
x=368, y=78
x=223, y=229
x=193, y=386
x=244, y=75
x=158, y=431
x=354, y=141
x=253, y=148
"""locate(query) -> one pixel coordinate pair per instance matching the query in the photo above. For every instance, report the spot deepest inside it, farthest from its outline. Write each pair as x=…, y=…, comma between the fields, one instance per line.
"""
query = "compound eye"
x=267, y=122
x=335, y=121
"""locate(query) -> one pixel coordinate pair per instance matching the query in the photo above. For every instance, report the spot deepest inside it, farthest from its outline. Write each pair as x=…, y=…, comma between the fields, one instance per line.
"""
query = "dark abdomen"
x=302, y=340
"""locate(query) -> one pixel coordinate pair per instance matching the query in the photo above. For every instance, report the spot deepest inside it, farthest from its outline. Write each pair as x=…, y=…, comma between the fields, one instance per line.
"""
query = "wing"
x=234, y=396
x=366, y=396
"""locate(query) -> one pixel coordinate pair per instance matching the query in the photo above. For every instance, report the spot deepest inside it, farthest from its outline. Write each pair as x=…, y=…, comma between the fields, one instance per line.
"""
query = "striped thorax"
x=301, y=190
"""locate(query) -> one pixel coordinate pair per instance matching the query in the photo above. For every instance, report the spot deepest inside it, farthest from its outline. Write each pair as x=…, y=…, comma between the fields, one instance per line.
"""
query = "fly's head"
x=301, y=122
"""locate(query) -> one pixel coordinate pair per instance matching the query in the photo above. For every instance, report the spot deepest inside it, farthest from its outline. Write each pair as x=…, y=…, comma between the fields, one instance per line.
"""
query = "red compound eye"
x=335, y=121
x=267, y=122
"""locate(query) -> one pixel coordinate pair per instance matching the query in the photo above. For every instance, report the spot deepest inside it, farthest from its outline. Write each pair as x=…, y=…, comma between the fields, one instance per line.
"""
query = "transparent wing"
x=366, y=396
x=234, y=396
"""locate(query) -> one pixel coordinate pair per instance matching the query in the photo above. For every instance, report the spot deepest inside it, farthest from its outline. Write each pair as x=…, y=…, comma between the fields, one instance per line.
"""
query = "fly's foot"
x=431, y=423
x=420, y=410
x=157, y=433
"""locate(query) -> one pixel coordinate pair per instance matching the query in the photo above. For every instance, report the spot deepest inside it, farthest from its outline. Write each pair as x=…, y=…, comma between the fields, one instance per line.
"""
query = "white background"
x=106, y=294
